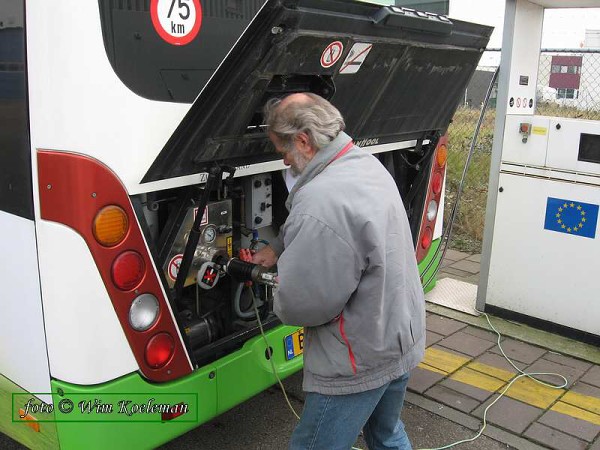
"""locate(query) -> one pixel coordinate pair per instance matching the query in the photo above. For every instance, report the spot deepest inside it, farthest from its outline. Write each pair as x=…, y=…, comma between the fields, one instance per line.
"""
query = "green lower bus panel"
x=428, y=277
x=128, y=413
x=24, y=429
x=131, y=413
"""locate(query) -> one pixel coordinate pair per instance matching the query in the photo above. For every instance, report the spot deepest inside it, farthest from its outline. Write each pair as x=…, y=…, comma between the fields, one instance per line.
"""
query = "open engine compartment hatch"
x=395, y=74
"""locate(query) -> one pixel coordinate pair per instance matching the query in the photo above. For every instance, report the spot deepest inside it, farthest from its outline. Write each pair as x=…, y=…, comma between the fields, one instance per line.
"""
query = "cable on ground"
x=522, y=374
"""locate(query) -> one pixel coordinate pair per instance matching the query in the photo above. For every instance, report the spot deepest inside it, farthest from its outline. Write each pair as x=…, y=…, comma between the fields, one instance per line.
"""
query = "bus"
x=136, y=171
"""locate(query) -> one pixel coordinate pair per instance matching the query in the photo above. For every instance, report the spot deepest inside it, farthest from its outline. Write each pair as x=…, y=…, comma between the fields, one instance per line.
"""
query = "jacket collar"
x=320, y=161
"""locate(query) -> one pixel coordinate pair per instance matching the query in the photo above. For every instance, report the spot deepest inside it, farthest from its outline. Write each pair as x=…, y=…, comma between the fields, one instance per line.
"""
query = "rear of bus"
x=113, y=114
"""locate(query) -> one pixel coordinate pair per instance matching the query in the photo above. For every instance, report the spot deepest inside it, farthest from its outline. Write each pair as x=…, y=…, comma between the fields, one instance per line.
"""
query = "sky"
x=563, y=28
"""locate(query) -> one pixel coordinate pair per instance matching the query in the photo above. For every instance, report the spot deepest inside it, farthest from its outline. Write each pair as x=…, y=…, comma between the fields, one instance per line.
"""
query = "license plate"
x=294, y=344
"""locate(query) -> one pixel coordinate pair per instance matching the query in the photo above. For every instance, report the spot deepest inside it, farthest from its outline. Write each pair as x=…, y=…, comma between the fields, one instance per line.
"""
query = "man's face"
x=294, y=157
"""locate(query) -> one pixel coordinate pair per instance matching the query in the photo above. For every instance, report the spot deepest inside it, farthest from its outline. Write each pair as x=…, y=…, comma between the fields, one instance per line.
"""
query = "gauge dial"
x=209, y=234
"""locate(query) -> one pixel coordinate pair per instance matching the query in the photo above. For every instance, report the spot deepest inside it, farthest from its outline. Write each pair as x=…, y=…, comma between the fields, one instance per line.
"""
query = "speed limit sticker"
x=176, y=21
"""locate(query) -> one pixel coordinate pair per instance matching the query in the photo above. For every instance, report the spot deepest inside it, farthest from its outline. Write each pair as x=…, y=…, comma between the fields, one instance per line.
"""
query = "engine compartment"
x=216, y=304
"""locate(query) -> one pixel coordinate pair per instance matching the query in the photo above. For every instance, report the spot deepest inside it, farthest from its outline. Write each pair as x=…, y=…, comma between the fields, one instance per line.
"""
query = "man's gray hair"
x=316, y=117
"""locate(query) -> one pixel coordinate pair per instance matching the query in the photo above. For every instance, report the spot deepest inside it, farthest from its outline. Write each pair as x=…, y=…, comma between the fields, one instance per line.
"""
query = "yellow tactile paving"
x=492, y=379
x=444, y=361
x=501, y=374
x=532, y=393
x=578, y=413
x=477, y=379
x=591, y=404
x=432, y=369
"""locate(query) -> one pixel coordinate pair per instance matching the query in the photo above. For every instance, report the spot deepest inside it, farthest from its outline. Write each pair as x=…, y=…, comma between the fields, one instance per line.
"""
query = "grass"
x=468, y=228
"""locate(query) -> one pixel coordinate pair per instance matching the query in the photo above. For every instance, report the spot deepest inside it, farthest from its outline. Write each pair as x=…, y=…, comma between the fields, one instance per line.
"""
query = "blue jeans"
x=333, y=422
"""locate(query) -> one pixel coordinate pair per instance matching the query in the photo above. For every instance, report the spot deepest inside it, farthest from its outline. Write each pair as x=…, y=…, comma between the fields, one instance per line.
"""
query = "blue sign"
x=571, y=217
x=289, y=347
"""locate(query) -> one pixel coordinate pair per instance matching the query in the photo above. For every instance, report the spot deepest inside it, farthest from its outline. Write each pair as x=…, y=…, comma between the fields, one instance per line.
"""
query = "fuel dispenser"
x=541, y=242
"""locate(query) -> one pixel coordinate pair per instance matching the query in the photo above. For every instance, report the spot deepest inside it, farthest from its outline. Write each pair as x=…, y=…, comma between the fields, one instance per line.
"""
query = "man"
x=348, y=274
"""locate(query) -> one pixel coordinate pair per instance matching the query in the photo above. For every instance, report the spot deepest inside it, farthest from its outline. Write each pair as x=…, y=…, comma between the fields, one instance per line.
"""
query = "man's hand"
x=265, y=257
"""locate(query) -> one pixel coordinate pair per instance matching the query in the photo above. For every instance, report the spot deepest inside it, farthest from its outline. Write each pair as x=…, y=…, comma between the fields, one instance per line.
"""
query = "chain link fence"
x=568, y=86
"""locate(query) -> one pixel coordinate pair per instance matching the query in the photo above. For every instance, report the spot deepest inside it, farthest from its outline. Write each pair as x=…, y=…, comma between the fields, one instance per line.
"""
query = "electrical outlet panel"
x=259, y=201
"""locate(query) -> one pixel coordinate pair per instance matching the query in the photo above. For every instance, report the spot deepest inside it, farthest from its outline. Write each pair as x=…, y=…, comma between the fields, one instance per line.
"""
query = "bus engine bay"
x=217, y=302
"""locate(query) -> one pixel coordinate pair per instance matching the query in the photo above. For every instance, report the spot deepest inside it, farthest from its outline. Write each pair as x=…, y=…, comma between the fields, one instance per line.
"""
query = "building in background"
x=572, y=79
x=565, y=76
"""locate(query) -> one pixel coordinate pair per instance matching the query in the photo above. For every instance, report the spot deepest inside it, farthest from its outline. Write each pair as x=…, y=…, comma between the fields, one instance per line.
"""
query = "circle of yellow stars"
x=567, y=228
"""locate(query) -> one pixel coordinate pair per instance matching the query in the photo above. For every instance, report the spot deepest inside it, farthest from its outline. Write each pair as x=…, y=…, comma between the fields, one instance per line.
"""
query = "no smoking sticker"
x=332, y=54
x=174, y=265
x=176, y=21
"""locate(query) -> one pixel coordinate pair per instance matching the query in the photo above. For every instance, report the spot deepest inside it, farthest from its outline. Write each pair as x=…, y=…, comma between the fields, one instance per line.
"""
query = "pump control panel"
x=259, y=201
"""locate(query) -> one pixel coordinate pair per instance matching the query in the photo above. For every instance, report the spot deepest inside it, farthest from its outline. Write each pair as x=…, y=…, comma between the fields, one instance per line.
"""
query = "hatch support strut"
x=215, y=175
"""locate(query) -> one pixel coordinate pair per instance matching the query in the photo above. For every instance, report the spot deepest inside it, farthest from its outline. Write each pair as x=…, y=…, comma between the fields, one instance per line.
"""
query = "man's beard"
x=299, y=162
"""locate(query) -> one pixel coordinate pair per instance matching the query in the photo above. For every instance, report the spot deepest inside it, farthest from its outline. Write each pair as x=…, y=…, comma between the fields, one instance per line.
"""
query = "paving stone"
x=452, y=398
x=432, y=338
x=482, y=334
x=553, y=438
x=467, y=266
x=455, y=255
x=455, y=273
x=472, y=391
x=510, y=414
x=420, y=379
x=475, y=258
x=586, y=389
x=473, y=279
x=592, y=376
x=498, y=361
x=595, y=445
x=443, y=325
x=568, y=361
x=543, y=365
x=466, y=343
x=520, y=351
x=575, y=427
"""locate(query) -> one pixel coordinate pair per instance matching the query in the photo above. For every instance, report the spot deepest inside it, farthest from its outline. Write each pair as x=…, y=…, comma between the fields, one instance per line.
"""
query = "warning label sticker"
x=332, y=54
x=176, y=21
x=174, y=265
x=204, y=220
x=356, y=57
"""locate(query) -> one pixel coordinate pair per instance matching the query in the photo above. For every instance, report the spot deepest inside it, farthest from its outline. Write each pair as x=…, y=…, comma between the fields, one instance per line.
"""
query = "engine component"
x=208, y=275
x=215, y=240
x=259, y=201
x=200, y=332
x=245, y=271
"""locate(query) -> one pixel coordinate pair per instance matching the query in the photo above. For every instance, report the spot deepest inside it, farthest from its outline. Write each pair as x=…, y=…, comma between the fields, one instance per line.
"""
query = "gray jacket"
x=348, y=274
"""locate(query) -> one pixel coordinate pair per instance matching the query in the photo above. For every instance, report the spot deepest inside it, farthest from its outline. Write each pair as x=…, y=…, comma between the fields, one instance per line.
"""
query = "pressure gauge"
x=209, y=234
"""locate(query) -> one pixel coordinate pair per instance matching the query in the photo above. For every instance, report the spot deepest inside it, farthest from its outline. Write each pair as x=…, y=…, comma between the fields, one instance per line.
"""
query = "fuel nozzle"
x=246, y=271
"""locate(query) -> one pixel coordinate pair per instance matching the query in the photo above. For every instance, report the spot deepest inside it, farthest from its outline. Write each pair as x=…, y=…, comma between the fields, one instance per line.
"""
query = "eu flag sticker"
x=571, y=217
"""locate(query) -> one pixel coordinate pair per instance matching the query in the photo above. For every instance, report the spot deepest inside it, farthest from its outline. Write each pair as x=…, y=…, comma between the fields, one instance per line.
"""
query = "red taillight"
x=85, y=195
x=128, y=270
x=159, y=350
x=432, y=200
x=437, y=182
x=426, y=238
x=176, y=411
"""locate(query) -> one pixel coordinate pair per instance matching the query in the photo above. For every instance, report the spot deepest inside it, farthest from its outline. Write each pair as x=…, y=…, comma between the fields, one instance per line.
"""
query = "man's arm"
x=318, y=272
